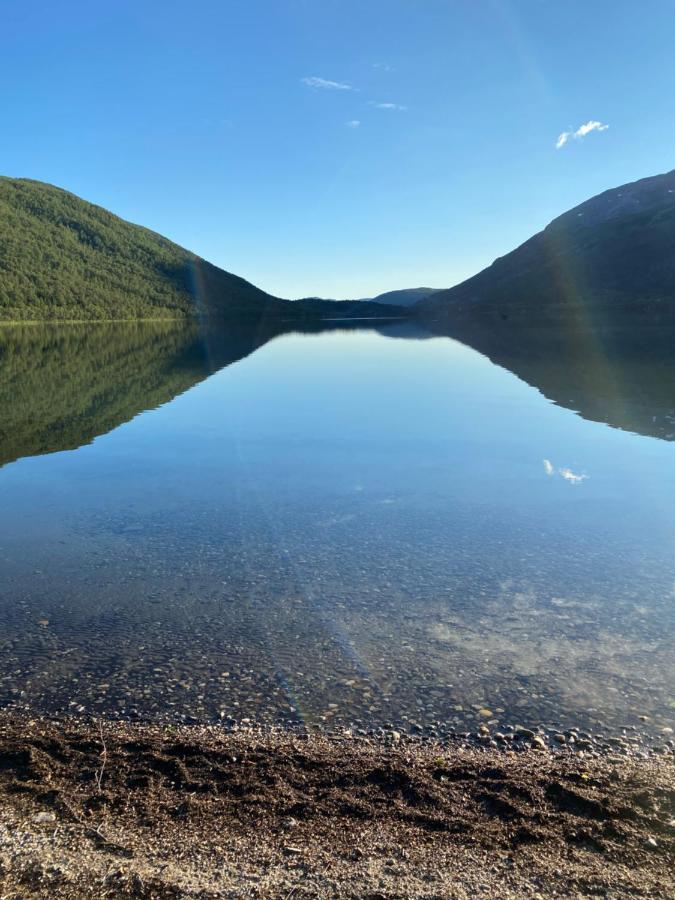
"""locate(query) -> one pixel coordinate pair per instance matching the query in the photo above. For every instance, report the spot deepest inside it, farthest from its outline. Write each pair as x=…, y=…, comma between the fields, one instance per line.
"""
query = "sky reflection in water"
x=338, y=527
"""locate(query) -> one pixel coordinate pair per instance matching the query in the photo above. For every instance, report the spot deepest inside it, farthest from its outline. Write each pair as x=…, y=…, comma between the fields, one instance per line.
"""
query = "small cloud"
x=581, y=132
x=388, y=106
x=383, y=67
x=353, y=123
x=548, y=467
x=325, y=85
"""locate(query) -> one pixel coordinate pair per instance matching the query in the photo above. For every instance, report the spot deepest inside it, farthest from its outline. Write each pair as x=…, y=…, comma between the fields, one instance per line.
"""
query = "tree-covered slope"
x=608, y=261
x=64, y=258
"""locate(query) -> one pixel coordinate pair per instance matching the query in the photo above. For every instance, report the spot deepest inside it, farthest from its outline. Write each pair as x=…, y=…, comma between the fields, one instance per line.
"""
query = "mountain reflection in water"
x=624, y=377
x=338, y=525
x=61, y=386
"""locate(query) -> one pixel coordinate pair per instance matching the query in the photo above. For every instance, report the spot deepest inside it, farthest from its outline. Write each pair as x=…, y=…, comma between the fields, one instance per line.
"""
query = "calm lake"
x=355, y=526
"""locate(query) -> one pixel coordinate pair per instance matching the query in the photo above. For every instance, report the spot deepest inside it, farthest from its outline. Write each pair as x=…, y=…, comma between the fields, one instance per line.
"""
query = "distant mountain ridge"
x=405, y=297
x=63, y=258
x=609, y=260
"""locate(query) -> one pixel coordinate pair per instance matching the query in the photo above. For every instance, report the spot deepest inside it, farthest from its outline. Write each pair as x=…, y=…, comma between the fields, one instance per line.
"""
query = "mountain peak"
x=634, y=198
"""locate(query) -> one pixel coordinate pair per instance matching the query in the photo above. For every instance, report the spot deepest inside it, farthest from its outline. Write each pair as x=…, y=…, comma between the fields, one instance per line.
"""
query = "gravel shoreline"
x=108, y=809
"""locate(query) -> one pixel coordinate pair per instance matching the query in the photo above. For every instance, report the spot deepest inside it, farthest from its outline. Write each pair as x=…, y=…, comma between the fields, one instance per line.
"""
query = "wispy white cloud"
x=548, y=467
x=353, y=123
x=325, y=85
x=397, y=106
x=384, y=67
x=581, y=132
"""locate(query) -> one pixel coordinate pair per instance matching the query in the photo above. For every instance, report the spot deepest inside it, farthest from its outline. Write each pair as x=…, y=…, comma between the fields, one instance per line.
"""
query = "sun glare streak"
x=578, y=325
x=521, y=44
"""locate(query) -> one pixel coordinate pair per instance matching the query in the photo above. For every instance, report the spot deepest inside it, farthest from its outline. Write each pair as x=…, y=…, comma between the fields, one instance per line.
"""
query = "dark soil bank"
x=116, y=810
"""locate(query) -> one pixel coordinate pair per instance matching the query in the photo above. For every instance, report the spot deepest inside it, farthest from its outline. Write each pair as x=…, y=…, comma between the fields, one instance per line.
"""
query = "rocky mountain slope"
x=610, y=260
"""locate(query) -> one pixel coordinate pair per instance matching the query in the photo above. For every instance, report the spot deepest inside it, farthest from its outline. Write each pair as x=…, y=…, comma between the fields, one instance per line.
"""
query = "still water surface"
x=351, y=526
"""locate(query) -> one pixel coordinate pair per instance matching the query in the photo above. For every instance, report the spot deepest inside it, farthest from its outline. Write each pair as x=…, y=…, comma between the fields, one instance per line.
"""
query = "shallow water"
x=348, y=526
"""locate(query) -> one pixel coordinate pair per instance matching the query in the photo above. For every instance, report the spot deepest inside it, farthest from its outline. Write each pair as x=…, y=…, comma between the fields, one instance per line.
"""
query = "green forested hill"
x=64, y=258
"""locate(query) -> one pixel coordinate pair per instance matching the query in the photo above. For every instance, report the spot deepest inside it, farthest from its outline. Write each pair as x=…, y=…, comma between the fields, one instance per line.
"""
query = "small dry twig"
x=104, y=759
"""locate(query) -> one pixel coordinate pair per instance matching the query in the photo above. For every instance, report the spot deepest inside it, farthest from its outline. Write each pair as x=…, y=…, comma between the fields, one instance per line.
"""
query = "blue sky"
x=211, y=122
